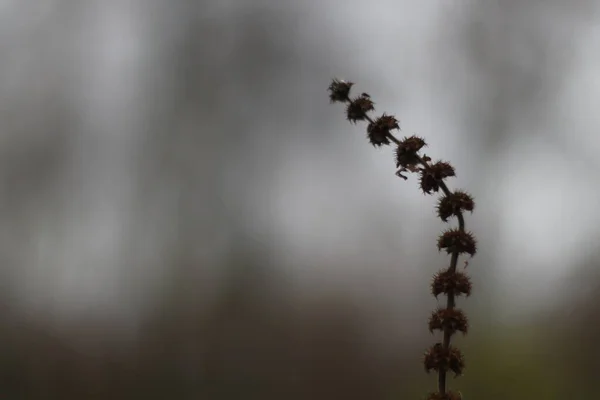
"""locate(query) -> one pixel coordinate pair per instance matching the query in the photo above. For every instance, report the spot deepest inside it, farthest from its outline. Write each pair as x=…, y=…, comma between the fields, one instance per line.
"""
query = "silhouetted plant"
x=441, y=357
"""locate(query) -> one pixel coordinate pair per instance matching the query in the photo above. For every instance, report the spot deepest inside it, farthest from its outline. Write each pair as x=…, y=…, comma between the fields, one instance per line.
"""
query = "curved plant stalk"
x=442, y=357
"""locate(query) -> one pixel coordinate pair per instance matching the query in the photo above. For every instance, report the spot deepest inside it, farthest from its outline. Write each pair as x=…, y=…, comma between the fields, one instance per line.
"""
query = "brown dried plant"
x=442, y=357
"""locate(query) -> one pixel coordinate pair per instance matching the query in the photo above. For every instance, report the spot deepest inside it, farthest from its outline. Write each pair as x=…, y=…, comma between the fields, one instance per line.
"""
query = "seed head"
x=438, y=358
x=432, y=177
x=339, y=90
x=457, y=240
x=448, y=319
x=455, y=204
x=378, y=131
x=359, y=107
x=451, y=283
x=407, y=151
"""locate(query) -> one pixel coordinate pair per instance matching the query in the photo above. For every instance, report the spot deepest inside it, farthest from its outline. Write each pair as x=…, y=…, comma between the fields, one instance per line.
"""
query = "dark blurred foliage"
x=253, y=343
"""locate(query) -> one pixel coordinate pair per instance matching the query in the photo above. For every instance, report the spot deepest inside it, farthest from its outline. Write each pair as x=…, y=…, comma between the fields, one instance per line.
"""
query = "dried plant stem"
x=441, y=357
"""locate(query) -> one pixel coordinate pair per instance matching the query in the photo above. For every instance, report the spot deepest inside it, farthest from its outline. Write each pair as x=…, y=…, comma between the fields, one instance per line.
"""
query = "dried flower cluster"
x=441, y=357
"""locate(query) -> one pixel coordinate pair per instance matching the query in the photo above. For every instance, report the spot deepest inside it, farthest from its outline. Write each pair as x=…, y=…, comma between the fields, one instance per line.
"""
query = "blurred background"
x=183, y=215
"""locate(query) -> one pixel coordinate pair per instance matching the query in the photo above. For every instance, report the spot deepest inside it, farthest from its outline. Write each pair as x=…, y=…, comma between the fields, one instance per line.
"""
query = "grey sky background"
x=145, y=134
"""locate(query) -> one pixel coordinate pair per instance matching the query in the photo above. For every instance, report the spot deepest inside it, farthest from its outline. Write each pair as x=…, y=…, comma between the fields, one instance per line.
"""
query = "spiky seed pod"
x=339, y=90
x=449, y=395
x=451, y=320
x=378, y=131
x=454, y=204
x=438, y=358
x=442, y=170
x=406, y=152
x=359, y=107
x=449, y=282
x=431, y=177
x=457, y=240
